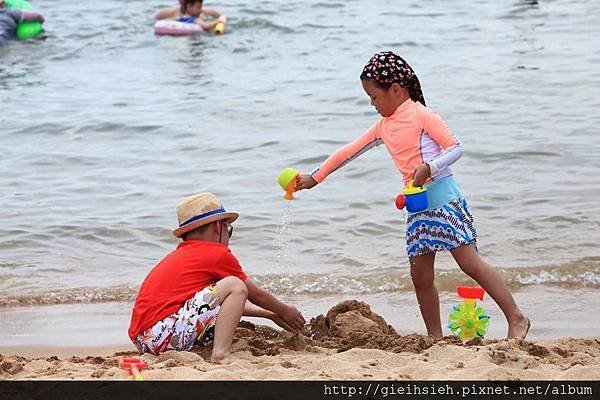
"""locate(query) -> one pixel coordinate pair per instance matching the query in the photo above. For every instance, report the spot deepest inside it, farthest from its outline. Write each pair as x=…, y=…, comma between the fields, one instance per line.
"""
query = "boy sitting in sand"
x=198, y=292
x=10, y=18
x=190, y=11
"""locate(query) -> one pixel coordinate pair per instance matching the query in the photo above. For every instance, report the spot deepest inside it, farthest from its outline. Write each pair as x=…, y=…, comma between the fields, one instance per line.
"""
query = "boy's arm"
x=32, y=16
x=265, y=300
x=252, y=310
x=166, y=13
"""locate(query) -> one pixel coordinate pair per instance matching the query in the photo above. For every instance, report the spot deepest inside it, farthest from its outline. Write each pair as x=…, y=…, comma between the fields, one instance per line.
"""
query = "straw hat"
x=200, y=209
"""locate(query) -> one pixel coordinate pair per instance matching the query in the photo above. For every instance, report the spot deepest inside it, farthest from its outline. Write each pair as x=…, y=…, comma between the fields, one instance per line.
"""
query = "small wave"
x=117, y=127
x=584, y=273
x=570, y=276
x=399, y=45
x=328, y=5
x=513, y=155
x=261, y=23
x=72, y=296
x=257, y=11
x=312, y=160
x=46, y=128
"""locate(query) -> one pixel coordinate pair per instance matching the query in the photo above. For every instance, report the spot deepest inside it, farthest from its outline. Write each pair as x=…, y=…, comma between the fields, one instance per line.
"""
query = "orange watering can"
x=287, y=181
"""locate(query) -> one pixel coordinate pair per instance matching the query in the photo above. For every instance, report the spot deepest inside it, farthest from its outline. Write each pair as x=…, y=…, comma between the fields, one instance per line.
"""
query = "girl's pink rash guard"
x=413, y=135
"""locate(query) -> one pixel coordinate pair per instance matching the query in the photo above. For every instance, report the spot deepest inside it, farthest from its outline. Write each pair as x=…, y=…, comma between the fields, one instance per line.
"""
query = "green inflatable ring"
x=25, y=30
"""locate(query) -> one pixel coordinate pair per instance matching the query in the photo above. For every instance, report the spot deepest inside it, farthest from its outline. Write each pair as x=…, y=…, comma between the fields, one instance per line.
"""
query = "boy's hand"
x=305, y=182
x=421, y=174
x=291, y=318
x=281, y=323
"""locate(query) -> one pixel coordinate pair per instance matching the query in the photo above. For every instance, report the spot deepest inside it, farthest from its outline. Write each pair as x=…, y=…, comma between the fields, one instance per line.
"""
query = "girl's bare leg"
x=484, y=274
x=421, y=272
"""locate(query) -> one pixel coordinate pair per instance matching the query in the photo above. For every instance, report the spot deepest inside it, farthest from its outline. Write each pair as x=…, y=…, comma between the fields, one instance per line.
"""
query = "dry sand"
x=350, y=342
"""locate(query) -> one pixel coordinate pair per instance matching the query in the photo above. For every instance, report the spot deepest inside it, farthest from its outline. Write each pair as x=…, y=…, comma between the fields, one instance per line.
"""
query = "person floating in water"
x=192, y=12
x=423, y=148
x=10, y=18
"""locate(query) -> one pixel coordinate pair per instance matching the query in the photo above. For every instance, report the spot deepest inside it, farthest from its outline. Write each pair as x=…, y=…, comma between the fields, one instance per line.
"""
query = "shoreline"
x=350, y=342
x=97, y=325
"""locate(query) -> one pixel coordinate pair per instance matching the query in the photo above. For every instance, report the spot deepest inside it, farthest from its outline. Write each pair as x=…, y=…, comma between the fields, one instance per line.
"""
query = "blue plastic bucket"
x=416, y=202
x=416, y=198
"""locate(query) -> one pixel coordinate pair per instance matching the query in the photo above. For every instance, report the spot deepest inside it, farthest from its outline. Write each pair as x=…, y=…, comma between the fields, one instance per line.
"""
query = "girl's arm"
x=446, y=158
x=210, y=25
x=167, y=13
x=211, y=12
x=437, y=129
x=341, y=157
x=432, y=167
x=206, y=25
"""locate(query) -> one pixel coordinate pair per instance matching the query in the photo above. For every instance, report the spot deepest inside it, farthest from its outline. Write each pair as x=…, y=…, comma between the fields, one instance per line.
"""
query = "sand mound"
x=352, y=324
x=349, y=324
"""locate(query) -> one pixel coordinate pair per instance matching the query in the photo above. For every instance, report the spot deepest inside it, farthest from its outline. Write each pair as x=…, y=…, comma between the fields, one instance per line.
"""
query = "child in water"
x=10, y=18
x=190, y=11
x=423, y=148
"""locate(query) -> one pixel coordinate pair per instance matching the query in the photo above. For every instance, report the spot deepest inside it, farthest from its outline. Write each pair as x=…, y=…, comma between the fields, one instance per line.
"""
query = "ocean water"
x=105, y=127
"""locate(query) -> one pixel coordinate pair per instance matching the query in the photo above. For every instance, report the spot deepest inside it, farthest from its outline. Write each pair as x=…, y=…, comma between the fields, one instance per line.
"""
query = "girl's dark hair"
x=386, y=68
x=185, y=3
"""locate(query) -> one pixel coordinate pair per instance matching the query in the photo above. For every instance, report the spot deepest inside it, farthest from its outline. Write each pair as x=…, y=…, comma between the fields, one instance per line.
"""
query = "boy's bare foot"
x=519, y=328
x=221, y=358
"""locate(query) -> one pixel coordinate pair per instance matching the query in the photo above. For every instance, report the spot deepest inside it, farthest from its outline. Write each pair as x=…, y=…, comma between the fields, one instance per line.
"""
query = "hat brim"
x=230, y=216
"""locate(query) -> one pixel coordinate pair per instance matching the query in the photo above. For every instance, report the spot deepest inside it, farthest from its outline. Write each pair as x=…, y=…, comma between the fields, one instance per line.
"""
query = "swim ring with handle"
x=176, y=28
x=25, y=30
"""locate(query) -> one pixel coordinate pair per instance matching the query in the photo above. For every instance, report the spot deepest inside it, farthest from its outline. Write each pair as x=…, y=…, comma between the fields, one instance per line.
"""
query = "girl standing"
x=423, y=148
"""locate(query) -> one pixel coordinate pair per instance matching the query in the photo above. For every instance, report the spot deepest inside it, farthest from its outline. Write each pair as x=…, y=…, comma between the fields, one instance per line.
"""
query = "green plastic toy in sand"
x=468, y=320
x=25, y=30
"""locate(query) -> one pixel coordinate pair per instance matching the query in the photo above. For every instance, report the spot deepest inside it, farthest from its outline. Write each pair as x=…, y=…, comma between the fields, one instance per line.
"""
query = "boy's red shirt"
x=191, y=267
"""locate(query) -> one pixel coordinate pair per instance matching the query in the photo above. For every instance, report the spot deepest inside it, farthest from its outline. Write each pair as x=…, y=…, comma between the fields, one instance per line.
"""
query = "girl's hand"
x=422, y=172
x=305, y=182
x=222, y=18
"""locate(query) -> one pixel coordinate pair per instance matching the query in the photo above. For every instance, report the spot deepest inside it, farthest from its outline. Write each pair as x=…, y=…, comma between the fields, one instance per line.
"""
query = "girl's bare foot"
x=519, y=328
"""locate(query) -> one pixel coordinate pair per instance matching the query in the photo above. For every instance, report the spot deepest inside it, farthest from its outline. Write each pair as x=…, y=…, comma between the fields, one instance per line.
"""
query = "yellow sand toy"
x=287, y=181
x=468, y=320
x=219, y=28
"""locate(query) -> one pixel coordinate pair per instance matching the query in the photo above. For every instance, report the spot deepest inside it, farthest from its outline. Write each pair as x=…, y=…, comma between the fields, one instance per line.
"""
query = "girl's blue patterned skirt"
x=443, y=228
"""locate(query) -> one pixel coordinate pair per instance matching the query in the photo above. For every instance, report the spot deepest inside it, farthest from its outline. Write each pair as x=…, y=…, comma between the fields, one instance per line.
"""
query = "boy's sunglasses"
x=229, y=228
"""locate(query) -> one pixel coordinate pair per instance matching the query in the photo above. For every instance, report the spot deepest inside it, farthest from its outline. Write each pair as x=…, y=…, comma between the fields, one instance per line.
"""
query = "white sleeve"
x=445, y=159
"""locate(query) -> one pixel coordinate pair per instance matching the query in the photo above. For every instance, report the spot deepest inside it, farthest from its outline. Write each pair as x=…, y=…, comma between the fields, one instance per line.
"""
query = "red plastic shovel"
x=133, y=365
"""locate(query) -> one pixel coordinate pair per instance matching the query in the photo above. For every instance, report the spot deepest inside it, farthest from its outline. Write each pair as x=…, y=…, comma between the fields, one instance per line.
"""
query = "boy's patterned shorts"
x=193, y=323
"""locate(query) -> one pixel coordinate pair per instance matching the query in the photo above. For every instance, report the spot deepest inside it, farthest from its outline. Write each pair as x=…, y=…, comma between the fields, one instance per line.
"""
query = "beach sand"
x=350, y=342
